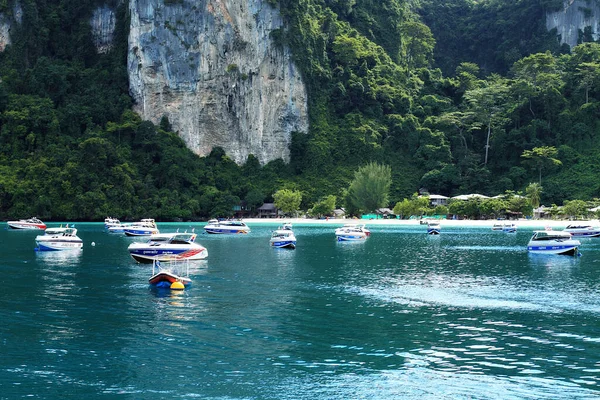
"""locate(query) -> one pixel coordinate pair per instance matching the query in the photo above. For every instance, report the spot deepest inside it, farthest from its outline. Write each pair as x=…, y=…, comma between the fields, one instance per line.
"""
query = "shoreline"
x=525, y=223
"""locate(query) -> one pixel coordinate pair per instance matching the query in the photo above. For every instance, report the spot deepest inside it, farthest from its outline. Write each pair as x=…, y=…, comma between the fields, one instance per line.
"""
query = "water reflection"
x=553, y=261
x=63, y=257
x=418, y=382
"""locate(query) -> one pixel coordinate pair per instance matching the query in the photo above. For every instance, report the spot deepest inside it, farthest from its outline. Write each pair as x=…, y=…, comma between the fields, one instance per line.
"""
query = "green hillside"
x=71, y=149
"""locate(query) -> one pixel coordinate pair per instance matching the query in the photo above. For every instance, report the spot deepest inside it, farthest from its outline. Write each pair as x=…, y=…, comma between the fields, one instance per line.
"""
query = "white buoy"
x=93, y=244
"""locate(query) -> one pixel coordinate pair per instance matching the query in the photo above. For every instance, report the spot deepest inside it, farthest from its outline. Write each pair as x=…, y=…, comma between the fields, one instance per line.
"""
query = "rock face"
x=211, y=67
x=103, y=28
x=7, y=22
x=575, y=16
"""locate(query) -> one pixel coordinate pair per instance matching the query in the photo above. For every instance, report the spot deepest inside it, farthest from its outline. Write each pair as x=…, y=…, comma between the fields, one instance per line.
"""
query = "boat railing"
x=175, y=266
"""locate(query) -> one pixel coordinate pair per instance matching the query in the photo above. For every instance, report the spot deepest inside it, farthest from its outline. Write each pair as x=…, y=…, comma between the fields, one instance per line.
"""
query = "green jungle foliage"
x=72, y=149
x=492, y=34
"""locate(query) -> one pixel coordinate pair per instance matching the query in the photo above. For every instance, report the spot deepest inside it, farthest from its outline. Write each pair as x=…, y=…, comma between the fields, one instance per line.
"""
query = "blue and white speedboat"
x=583, y=230
x=145, y=227
x=226, y=227
x=55, y=239
x=168, y=247
x=509, y=228
x=433, y=228
x=352, y=232
x=283, y=239
x=553, y=242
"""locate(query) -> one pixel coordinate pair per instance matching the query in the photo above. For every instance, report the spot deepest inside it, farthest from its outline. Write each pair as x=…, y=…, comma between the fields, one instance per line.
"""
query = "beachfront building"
x=469, y=197
x=267, y=210
x=339, y=213
x=438, y=200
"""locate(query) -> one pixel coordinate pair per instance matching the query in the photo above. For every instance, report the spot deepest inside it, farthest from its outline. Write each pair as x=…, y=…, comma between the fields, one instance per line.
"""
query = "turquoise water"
x=464, y=315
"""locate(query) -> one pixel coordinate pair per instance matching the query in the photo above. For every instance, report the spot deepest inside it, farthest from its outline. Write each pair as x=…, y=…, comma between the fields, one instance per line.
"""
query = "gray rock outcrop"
x=103, y=23
x=575, y=17
x=211, y=67
x=6, y=24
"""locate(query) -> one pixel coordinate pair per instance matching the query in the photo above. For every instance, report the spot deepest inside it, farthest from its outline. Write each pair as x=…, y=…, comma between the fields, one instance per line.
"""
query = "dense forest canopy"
x=449, y=94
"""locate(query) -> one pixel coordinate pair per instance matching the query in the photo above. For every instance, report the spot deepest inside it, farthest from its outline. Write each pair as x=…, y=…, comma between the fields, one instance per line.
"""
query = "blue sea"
x=468, y=314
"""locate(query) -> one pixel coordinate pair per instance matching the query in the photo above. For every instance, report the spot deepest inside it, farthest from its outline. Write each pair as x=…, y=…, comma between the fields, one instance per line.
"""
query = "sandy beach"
x=523, y=223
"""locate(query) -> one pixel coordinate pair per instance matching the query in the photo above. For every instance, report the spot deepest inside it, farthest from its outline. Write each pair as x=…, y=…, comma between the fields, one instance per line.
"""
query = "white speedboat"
x=583, y=230
x=497, y=227
x=226, y=227
x=59, y=239
x=170, y=275
x=111, y=222
x=509, y=228
x=287, y=226
x=352, y=232
x=145, y=227
x=433, y=228
x=283, y=238
x=30, y=223
x=168, y=246
x=553, y=242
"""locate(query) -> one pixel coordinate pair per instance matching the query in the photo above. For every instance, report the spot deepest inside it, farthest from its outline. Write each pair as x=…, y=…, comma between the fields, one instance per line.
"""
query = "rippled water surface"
x=465, y=315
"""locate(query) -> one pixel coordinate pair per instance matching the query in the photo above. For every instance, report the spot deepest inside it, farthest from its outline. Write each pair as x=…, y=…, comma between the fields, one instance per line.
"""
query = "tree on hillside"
x=417, y=44
x=370, y=188
x=535, y=75
x=534, y=192
x=541, y=157
x=489, y=104
x=589, y=77
x=287, y=201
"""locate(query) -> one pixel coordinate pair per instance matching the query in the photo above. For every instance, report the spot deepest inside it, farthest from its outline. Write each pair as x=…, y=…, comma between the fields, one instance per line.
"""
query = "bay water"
x=468, y=314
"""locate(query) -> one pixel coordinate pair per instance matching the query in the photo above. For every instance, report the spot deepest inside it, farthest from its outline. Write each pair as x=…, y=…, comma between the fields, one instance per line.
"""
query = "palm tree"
x=534, y=192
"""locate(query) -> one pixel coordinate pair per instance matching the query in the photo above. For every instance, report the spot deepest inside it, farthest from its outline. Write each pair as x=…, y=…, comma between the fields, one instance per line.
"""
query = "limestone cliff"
x=103, y=28
x=575, y=16
x=211, y=67
x=7, y=22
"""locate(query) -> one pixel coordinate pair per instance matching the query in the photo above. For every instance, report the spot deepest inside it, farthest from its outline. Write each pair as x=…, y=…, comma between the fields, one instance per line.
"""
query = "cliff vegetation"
x=449, y=94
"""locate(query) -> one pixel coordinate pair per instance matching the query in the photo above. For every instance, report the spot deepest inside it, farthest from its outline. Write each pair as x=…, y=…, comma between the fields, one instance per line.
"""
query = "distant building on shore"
x=268, y=210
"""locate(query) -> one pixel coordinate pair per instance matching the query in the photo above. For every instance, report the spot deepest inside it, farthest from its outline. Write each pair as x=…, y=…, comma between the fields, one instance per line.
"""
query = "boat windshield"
x=551, y=235
x=281, y=234
x=578, y=227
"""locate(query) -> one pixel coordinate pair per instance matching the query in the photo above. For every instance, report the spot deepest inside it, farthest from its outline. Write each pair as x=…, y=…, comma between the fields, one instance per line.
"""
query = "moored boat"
x=433, y=228
x=553, y=242
x=226, y=227
x=509, y=228
x=352, y=232
x=145, y=227
x=30, y=223
x=55, y=239
x=283, y=238
x=110, y=222
x=583, y=230
x=168, y=246
x=174, y=274
x=497, y=227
